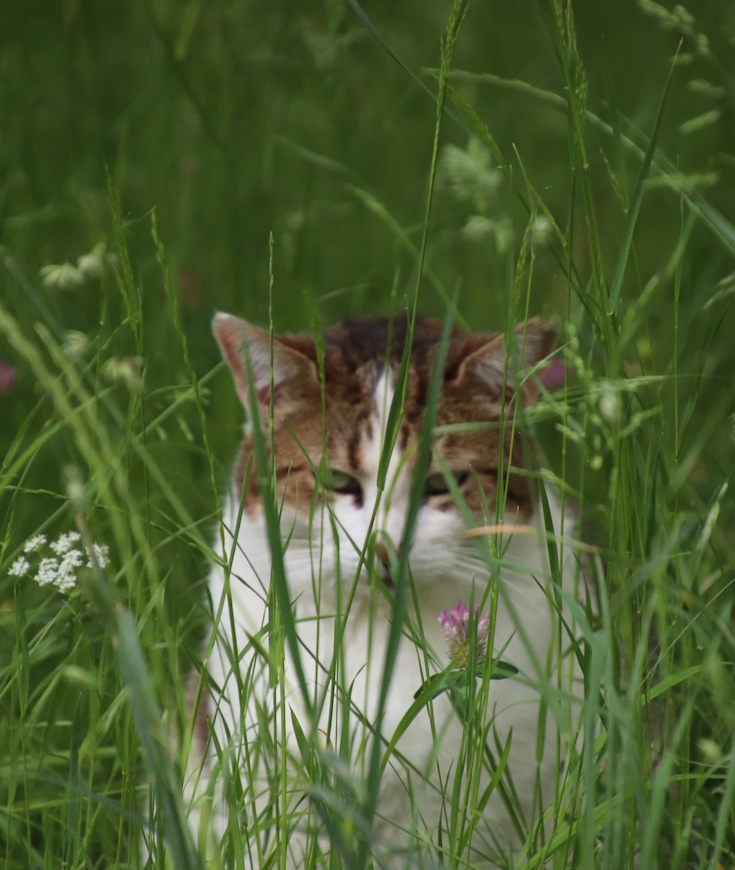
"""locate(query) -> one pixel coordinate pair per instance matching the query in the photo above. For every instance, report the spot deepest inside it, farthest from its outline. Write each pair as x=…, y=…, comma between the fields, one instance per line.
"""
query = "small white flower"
x=124, y=370
x=20, y=567
x=62, y=277
x=98, y=556
x=34, y=543
x=74, y=487
x=471, y=174
x=91, y=264
x=66, y=582
x=479, y=228
x=65, y=542
x=48, y=571
x=66, y=577
x=76, y=343
x=710, y=749
x=72, y=559
x=541, y=231
x=609, y=403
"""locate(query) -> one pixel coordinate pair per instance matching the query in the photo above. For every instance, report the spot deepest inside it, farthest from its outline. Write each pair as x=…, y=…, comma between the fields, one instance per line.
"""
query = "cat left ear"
x=535, y=340
x=236, y=337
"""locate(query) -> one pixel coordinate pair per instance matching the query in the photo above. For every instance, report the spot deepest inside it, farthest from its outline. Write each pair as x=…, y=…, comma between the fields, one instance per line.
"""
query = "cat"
x=330, y=406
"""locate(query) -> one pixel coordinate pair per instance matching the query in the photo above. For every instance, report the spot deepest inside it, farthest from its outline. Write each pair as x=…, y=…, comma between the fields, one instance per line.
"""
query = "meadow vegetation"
x=287, y=162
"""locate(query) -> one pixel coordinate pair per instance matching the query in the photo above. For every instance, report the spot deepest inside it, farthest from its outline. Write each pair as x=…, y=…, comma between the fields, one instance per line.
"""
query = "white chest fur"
x=414, y=794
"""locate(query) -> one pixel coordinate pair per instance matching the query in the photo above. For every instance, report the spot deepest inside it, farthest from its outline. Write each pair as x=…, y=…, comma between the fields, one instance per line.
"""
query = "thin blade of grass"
x=631, y=219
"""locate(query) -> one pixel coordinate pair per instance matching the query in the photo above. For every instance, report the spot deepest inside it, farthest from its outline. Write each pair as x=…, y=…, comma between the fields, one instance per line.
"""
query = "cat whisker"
x=496, y=529
x=503, y=528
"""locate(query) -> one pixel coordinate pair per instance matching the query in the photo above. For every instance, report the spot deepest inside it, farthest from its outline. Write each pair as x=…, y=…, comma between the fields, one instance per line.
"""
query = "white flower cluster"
x=59, y=569
x=471, y=175
x=124, y=370
x=67, y=276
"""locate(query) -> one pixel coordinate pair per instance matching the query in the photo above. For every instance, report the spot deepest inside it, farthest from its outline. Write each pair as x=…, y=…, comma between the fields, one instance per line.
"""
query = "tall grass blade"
x=616, y=285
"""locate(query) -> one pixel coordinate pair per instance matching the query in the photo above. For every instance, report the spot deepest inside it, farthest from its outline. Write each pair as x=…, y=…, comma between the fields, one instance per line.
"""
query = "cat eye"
x=341, y=482
x=437, y=485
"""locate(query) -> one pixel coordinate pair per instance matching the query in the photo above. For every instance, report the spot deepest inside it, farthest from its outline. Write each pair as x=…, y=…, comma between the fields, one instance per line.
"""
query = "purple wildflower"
x=554, y=374
x=7, y=377
x=456, y=623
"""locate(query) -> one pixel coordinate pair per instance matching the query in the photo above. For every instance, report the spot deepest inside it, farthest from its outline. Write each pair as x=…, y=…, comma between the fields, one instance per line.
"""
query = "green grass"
x=573, y=161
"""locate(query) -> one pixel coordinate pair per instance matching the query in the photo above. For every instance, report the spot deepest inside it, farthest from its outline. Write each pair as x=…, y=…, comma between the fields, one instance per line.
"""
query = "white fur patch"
x=390, y=519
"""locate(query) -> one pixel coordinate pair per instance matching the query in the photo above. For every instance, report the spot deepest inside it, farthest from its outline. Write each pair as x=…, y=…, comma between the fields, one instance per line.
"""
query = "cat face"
x=329, y=433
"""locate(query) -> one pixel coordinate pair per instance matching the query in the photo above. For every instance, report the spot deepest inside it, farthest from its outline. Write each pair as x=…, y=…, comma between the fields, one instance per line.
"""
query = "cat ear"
x=535, y=340
x=237, y=337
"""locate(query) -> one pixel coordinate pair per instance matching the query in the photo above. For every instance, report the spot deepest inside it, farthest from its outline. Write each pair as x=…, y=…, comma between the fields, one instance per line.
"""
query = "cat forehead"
x=360, y=342
x=363, y=357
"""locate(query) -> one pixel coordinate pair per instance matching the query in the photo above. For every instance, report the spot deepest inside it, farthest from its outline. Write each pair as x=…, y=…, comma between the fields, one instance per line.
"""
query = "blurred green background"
x=236, y=119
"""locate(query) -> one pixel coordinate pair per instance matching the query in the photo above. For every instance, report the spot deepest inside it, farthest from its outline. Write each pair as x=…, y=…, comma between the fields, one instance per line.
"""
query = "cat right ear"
x=535, y=340
x=235, y=338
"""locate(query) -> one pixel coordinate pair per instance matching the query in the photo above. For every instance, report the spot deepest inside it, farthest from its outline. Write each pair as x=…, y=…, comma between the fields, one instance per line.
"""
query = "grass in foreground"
x=93, y=676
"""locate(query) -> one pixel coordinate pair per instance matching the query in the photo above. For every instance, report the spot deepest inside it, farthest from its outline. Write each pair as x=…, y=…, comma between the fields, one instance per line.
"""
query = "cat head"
x=330, y=406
